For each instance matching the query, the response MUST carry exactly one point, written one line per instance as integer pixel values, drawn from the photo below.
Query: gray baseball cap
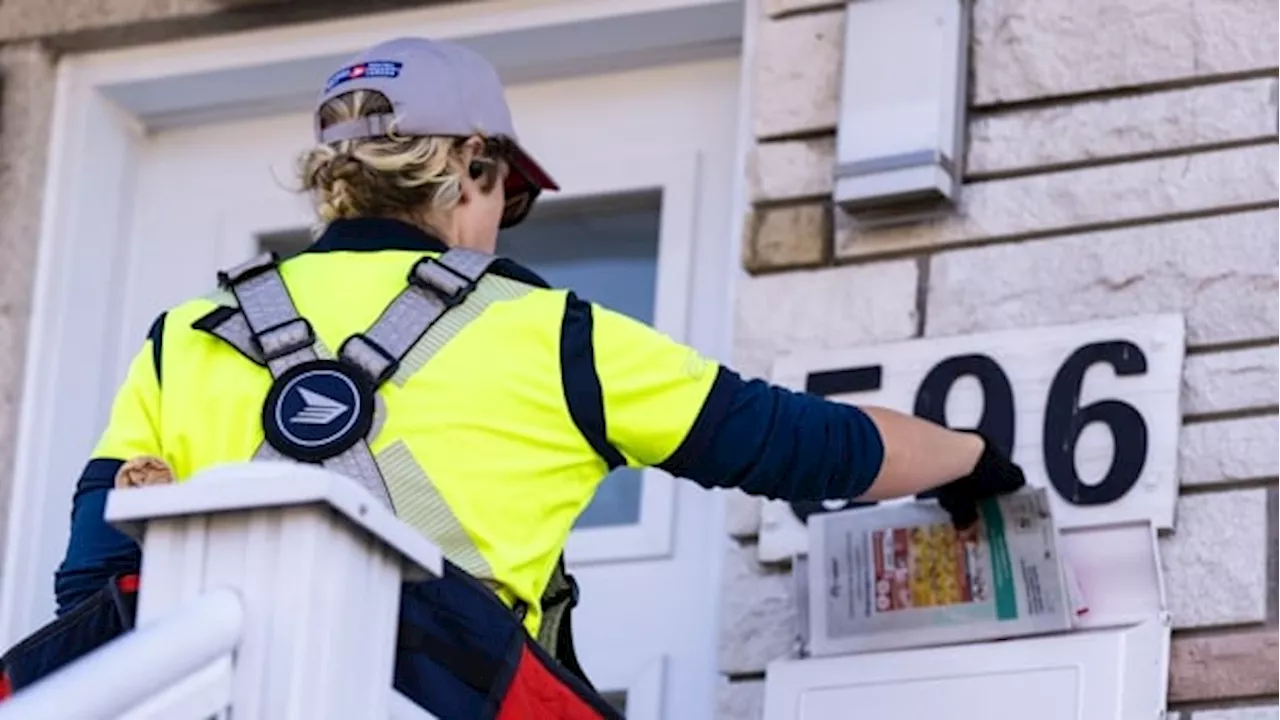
(435, 88)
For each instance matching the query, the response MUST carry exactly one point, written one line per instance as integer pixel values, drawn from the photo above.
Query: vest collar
(373, 235)
(378, 234)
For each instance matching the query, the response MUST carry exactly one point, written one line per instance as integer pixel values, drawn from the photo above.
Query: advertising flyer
(900, 575)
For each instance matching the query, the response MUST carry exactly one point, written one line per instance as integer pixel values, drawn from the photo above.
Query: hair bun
(395, 176)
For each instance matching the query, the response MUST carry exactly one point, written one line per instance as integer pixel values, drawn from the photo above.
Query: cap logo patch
(372, 69)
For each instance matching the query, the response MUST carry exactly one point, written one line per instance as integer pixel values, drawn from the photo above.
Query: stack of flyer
(900, 576)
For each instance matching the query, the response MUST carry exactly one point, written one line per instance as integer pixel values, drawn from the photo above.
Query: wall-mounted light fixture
(900, 140)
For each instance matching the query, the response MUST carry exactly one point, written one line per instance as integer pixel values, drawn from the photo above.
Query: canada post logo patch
(317, 410)
(372, 69)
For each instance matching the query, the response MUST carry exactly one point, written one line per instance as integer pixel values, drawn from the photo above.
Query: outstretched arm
(787, 445)
(666, 406)
(919, 455)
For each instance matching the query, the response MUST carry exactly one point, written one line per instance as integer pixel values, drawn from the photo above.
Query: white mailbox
(899, 146)
(1112, 666)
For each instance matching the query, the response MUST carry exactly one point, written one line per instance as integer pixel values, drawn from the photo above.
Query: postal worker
(479, 404)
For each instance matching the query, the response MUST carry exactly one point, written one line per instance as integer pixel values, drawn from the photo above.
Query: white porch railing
(269, 591)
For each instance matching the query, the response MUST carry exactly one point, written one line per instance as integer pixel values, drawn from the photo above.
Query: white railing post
(184, 659)
(317, 563)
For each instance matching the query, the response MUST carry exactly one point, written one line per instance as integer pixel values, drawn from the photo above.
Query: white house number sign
(1090, 411)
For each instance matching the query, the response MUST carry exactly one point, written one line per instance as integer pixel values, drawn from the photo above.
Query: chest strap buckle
(288, 337)
(432, 276)
(360, 350)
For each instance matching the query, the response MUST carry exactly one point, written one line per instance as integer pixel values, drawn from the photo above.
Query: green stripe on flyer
(1001, 566)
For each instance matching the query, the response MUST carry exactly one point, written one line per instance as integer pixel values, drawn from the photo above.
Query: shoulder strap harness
(321, 409)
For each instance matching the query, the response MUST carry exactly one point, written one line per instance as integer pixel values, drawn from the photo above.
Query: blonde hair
(398, 176)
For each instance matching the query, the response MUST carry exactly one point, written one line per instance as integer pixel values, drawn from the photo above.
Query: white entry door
(645, 158)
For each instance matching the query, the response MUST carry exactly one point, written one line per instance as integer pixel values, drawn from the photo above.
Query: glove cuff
(993, 470)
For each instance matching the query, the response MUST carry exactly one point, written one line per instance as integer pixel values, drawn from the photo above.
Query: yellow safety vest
(491, 443)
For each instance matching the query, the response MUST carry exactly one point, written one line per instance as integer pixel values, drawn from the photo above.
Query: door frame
(106, 103)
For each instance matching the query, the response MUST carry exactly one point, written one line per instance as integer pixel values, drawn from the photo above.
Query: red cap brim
(527, 171)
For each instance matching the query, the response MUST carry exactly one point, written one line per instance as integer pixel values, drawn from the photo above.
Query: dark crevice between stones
(1057, 101)
(1237, 414)
(1273, 560)
(922, 294)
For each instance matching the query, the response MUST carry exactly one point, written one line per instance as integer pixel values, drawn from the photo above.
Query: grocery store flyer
(902, 576)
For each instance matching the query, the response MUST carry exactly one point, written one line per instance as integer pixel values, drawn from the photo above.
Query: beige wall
(1121, 153)
(26, 91)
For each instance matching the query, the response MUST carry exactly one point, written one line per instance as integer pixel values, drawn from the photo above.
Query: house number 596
(1064, 417)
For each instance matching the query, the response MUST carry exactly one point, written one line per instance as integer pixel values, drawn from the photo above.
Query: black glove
(994, 475)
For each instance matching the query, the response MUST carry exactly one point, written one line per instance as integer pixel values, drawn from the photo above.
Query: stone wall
(1121, 153)
(26, 105)
(84, 25)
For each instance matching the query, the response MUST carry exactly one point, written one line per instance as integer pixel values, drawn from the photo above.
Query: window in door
(606, 251)
(284, 244)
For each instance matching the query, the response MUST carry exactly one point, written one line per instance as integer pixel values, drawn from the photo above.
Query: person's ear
(472, 149)
(473, 164)
(475, 170)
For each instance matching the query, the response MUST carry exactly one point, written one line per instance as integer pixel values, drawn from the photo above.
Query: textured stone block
(797, 74)
(1215, 561)
(1061, 202)
(1229, 381)
(26, 109)
(1219, 271)
(742, 514)
(814, 309)
(1223, 666)
(1124, 126)
(87, 25)
(1252, 712)
(790, 169)
(33, 18)
(741, 701)
(758, 615)
(1228, 451)
(1058, 47)
(787, 237)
